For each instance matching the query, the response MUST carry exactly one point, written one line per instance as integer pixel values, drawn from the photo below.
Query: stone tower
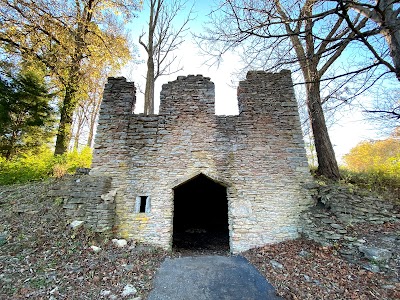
(187, 170)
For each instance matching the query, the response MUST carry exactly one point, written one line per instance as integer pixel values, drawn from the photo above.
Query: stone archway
(200, 215)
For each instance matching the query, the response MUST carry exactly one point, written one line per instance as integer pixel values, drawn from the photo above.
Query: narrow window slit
(143, 202)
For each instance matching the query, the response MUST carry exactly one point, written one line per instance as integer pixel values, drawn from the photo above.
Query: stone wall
(258, 155)
(87, 198)
(363, 228)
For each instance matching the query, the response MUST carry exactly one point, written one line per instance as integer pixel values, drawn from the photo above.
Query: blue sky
(192, 61)
(350, 129)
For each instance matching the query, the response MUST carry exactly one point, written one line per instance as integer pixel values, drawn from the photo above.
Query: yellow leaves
(383, 155)
(63, 39)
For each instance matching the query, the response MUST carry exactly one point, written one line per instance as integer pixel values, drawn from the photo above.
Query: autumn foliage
(375, 166)
(377, 156)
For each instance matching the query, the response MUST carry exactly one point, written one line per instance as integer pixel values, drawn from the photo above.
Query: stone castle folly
(188, 172)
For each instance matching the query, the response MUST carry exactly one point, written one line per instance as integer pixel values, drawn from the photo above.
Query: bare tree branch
(387, 20)
(309, 34)
(163, 40)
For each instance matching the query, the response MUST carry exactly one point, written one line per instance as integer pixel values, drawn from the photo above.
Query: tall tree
(162, 41)
(305, 35)
(66, 37)
(93, 111)
(385, 15)
(26, 116)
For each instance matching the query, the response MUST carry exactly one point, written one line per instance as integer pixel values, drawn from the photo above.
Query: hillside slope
(42, 257)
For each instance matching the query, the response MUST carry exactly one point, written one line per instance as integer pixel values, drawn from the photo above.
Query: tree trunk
(64, 128)
(327, 164)
(93, 117)
(393, 40)
(385, 15)
(149, 91)
(389, 23)
(11, 145)
(91, 134)
(67, 111)
(79, 124)
(309, 60)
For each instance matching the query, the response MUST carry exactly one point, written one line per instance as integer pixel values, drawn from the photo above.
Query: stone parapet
(188, 95)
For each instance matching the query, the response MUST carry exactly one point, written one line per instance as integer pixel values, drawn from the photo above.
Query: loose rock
(95, 249)
(375, 254)
(129, 290)
(372, 268)
(275, 264)
(119, 243)
(3, 238)
(105, 293)
(76, 224)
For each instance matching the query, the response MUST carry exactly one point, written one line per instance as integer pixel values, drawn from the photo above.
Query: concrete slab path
(210, 278)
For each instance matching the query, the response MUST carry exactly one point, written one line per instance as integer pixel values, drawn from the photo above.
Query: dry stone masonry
(352, 222)
(87, 198)
(258, 156)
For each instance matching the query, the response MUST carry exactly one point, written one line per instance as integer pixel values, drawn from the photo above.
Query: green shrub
(384, 183)
(27, 167)
(82, 159)
(69, 162)
(32, 166)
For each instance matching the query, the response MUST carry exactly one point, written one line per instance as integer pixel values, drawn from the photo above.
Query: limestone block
(110, 196)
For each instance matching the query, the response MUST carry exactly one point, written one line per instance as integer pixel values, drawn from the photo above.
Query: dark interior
(200, 215)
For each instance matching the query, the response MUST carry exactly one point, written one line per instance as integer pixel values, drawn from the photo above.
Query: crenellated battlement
(119, 97)
(188, 95)
(265, 93)
(260, 93)
(259, 155)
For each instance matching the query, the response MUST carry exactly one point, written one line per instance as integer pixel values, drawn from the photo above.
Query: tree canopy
(309, 36)
(70, 39)
(384, 17)
(26, 116)
(304, 35)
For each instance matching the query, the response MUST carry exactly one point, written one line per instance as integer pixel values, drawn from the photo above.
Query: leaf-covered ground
(41, 257)
(302, 269)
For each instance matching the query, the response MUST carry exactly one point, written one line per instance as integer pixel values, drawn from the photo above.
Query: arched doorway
(200, 215)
